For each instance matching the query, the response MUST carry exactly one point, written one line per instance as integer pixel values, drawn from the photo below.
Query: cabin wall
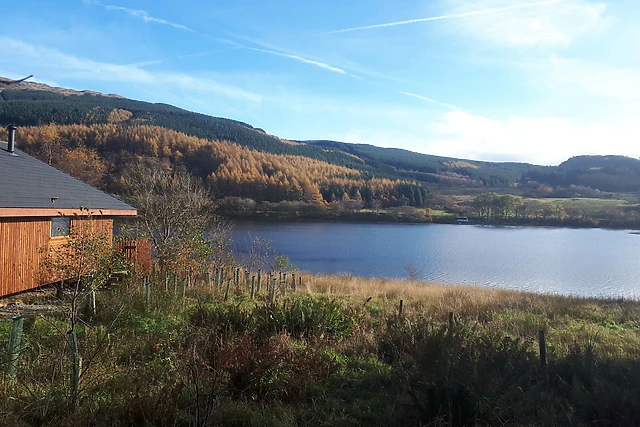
(24, 243)
(21, 243)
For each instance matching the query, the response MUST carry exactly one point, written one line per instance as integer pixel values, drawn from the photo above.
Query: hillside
(447, 171)
(605, 173)
(35, 104)
(101, 154)
(32, 106)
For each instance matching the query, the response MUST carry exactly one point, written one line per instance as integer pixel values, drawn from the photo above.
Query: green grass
(592, 206)
(335, 352)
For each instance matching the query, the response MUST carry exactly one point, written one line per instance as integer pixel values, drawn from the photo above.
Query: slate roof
(26, 182)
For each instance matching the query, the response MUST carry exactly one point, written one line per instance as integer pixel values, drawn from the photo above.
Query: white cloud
(596, 79)
(549, 23)
(538, 140)
(63, 65)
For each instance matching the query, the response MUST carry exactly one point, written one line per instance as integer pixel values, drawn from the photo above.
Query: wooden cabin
(39, 205)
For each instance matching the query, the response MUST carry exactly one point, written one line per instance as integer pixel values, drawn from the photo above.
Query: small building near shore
(39, 205)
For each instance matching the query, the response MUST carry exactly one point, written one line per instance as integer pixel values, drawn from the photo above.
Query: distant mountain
(32, 104)
(446, 171)
(605, 173)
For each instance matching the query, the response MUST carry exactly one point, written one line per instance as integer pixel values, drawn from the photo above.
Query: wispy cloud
(449, 16)
(431, 100)
(140, 14)
(149, 63)
(64, 65)
(299, 59)
(549, 24)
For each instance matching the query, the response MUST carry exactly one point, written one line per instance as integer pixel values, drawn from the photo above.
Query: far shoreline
(435, 220)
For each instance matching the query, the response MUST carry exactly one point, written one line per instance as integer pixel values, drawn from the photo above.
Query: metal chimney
(11, 139)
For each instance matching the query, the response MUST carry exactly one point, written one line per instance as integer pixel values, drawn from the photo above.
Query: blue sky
(502, 80)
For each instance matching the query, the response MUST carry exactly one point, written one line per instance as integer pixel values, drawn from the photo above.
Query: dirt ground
(31, 303)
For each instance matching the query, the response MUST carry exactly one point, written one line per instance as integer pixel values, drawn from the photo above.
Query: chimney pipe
(11, 139)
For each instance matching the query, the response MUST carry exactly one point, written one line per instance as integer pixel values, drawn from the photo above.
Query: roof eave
(51, 212)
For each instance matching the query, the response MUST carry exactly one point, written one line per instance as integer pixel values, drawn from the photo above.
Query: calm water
(590, 262)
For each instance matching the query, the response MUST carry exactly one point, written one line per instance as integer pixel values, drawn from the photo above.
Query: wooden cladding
(24, 242)
(21, 250)
(139, 253)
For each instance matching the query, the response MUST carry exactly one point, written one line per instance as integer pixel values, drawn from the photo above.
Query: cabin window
(60, 226)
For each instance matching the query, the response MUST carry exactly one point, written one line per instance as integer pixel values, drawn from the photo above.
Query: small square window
(60, 226)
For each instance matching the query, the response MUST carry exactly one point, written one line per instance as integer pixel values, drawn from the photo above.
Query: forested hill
(34, 104)
(434, 169)
(605, 173)
(37, 107)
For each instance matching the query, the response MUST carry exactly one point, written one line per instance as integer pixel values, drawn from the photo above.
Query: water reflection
(590, 262)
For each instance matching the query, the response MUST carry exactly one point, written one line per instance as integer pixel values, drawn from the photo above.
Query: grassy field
(335, 351)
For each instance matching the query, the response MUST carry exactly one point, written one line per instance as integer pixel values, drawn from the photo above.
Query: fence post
(273, 290)
(400, 308)
(72, 342)
(450, 330)
(147, 294)
(259, 281)
(543, 348)
(253, 287)
(226, 292)
(166, 281)
(293, 281)
(15, 341)
(175, 284)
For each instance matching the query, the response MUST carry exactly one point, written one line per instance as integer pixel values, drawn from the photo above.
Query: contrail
(136, 13)
(438, 18)
(297, 58)
(431, 100)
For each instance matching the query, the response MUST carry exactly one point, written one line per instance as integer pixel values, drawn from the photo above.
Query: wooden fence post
(15, 341)
(259, 281)
(253, 287)
(543, 348)
(400, 308)
(226, 293)
(273, 290)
